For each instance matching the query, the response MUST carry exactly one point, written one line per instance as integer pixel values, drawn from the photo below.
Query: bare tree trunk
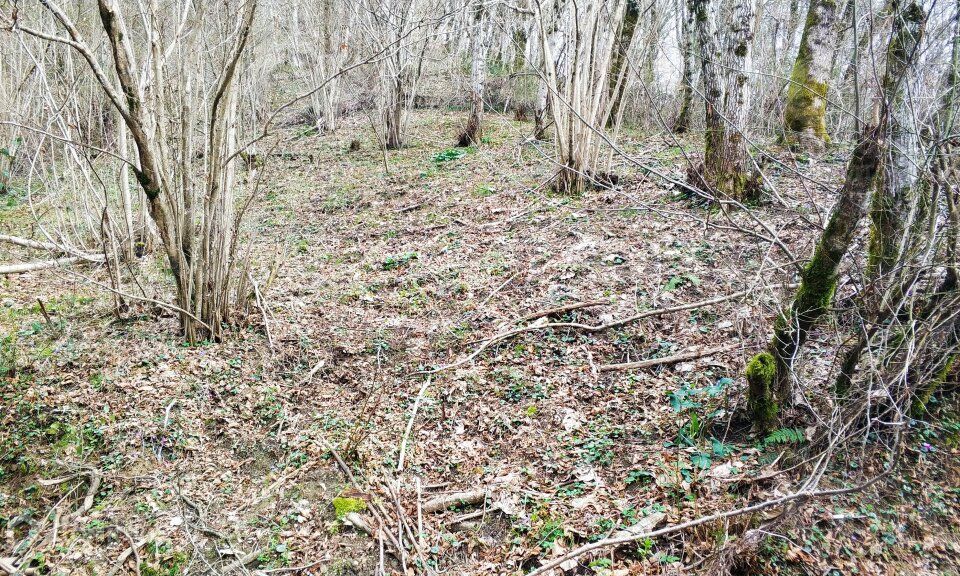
(552, 52)
(126, 203)
(727, 169)
(805, 113)
(479, 46)
(682, 123)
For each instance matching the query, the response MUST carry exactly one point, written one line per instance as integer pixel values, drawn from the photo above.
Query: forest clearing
(261, 315)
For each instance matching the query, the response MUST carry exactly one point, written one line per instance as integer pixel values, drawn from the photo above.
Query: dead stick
(561, 310)
(585, 327)
(240, 562)
(46, 316)
(43, 264)
(667, 359)
(122, 559)
(456, 499)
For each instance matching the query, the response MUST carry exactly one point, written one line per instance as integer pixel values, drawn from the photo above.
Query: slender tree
(682, 122)
(480, 33)
(196, 219)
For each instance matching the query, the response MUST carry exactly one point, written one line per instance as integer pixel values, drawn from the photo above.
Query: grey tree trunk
(727, 170)
(682, 123)
(479, 46)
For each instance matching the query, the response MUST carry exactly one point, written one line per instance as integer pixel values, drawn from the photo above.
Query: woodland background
(479, 287)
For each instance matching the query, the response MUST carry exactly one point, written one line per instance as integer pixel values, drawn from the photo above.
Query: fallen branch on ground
(467, 498)
(561, 310)
(803, 494)
(668, 359)
(44, 264)
(39, 245)
(586, 327)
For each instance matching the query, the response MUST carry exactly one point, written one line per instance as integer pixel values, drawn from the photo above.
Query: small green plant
(639, 477)
(448, 155)
(162, 560)
(597, 447)
(681, 280)
(785, 436)
(550, 532)
(8, 356)
(600, 564)
(398, 261)
(482, 191)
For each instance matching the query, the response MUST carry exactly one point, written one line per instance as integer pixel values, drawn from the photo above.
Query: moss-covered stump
(343, 506)
(763, 408)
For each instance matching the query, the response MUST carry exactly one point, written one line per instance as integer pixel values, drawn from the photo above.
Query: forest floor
(208, 455)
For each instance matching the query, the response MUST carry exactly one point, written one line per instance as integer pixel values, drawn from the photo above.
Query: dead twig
(413, 416)
(802, 494)
(240, 562)
(130, 551)
(591, 328)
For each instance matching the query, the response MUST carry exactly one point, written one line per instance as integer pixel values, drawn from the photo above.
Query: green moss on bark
(761, 372)
(919, 407)
(805, 113)
(812, 300)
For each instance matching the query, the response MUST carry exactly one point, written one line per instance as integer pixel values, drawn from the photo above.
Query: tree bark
(890, 211)
(682, 123)
(479, 46)
(620, 67)
(805, 113)
(726, 169)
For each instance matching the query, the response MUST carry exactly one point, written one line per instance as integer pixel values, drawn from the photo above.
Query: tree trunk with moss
(930, 373)
(620, 67)
(682, 123)
(893, 203)
(805, 113)
(727, 168)
(819, 276)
